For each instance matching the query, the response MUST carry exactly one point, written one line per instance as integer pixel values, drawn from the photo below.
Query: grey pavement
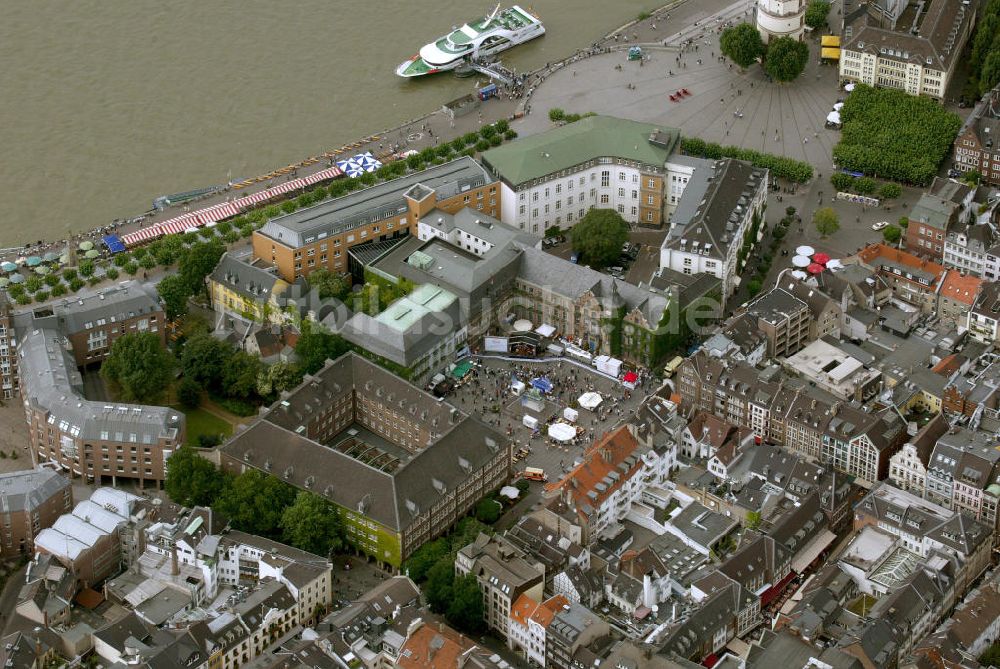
(784, 119)
(479, 396)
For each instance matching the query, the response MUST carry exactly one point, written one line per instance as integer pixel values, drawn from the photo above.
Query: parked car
(880, 225)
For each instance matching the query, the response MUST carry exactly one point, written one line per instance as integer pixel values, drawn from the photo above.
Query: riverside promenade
(678, 17)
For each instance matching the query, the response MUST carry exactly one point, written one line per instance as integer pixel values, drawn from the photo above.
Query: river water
(105, 105)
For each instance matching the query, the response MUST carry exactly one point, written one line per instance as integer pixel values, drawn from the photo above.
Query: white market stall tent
(590, 400)
(562, 432)
(608, 365)
(545, 330)
(571, 414)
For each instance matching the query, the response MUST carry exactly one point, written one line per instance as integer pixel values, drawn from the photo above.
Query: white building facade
(781, 18)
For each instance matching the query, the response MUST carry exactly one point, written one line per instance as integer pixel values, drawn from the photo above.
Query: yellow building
(246, 290)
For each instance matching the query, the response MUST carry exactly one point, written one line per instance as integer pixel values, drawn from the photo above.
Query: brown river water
(106, 105)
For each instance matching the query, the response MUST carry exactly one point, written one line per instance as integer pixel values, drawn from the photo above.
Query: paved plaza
(784, 119)
(489, 391)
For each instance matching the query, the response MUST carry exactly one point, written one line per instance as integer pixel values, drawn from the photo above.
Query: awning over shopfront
(812, 550)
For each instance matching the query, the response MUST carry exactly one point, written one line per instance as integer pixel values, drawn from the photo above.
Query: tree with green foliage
(984, 56)
(892, 234)
(742, 44)
(192, 480)
(842, 182)
(786, 58)
(204, 360)
(826, 221)
(991, 657)
(420, 562)
(138, 367)
(864, 186)
(439, 585)
(315, 347)
(189, 394)
(890, 134)
(488, 511)
(599, 237)
(753, 520)
(904, 221)
(239, 378)
(890, 191)
(465, 610)
(971, 177)
(313, 524)
(816, 13)
(754, 286)
(556, 114)
(198, 262)
(255, 502)
(278, 377)
(174, 292)
(330, 284)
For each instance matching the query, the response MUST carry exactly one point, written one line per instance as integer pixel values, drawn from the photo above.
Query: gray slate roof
(27, 490)
(368, 205)
(392, 499)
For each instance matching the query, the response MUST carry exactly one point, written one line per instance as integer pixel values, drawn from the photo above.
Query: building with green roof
(554, 178)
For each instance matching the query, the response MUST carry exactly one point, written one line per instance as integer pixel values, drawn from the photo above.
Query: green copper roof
(575, 143)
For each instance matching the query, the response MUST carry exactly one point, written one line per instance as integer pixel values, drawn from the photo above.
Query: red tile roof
(522, 609)
(526, 608)
(419, 653)
(600, 459)
(961, 288)
(876, 251)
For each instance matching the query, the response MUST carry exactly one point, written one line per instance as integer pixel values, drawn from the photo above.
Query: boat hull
(431, 56)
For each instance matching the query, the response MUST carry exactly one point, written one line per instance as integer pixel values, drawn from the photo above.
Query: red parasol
(815, 268)
(821, 258)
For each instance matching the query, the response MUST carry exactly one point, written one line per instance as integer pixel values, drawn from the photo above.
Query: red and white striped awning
(219, 212)
(322, 175)
(180, 224)
(256, 198)
(286, 187)
(140, 236)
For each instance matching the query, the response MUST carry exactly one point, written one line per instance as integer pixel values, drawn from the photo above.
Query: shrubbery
(785, 168)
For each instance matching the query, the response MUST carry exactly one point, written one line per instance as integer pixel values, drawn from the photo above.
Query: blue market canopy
(367, 161)
(542, 384)
(357, 165)
(351, 168)
(114, 243)
(50, 257)
(8, 266)
(17, 278)
(33, 261)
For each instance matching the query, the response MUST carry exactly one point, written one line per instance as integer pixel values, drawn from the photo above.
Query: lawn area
(201, 422)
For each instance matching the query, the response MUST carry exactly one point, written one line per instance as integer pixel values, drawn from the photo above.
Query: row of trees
(785, 168)
(984, 59)
(557, 115)
(846, 183)
(889, 134)
(784, 58)
(257, 503)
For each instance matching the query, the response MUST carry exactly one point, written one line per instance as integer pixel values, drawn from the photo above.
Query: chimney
(174, 569)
